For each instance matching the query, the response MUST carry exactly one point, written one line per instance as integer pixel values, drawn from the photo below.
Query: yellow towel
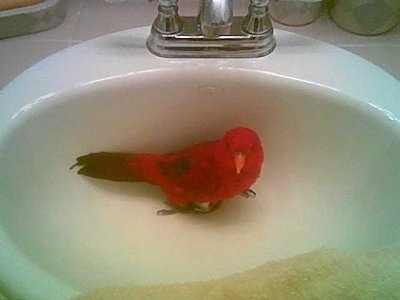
(324, 274)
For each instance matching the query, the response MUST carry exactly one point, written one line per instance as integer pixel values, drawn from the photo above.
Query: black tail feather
(108, 165)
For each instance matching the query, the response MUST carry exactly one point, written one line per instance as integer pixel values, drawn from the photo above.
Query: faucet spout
(215, 17)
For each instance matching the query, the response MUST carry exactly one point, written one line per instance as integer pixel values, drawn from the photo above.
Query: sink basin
(328, 121)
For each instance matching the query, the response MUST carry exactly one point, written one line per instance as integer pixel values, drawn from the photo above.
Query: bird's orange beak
(240, 159)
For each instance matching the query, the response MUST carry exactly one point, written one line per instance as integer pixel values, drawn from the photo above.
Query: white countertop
(92, 18)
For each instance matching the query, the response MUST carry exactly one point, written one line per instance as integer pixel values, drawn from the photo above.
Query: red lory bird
(195, 179)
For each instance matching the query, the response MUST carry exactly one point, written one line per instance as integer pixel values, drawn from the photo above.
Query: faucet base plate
(191, 43)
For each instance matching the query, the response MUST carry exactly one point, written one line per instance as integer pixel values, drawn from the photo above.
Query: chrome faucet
(214, 32)
(215, 17)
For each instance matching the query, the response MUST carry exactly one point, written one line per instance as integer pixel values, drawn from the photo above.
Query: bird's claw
(167, 212)
(248, 194)
(191, 208)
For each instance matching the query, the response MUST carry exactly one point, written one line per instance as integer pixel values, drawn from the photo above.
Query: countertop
(87, 19)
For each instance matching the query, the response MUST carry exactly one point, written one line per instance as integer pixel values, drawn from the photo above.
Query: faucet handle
(168, 20)
(257, 20)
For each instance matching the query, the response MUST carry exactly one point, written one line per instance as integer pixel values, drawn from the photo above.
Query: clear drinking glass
(365, 17)
(295, 12)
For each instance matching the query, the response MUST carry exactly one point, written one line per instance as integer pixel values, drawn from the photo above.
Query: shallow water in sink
(330, 178)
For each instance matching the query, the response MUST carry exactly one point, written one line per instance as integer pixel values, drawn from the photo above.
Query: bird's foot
(191, 208)
(167, 212)
(248, 193)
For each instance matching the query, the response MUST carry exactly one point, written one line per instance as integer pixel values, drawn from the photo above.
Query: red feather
(210, 172)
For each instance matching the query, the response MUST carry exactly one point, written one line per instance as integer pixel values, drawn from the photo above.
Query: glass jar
(365, 17)
(295, 12)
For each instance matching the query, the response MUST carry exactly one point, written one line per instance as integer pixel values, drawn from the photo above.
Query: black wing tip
(86, 162)
(112, 166)
(82, 161)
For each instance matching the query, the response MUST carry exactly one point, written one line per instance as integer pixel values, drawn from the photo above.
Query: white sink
(329, 122)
